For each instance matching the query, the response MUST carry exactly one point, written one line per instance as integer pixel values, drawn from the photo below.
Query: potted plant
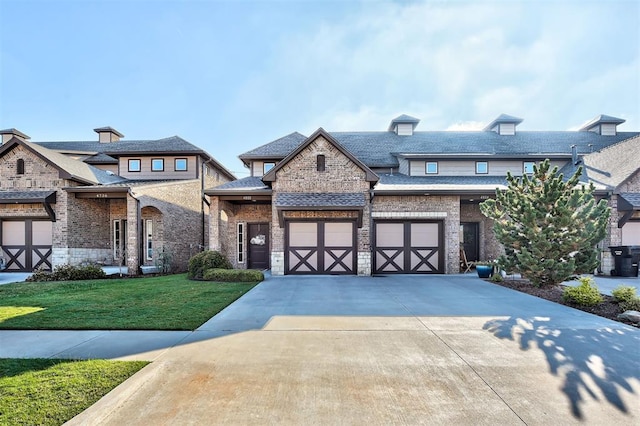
(484, 269)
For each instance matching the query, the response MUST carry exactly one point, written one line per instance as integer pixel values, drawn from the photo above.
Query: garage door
(408, 247)
(320, 247)
(26, 244)
(631, 234)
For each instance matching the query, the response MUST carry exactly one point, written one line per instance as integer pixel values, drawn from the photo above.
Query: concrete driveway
(388, 350)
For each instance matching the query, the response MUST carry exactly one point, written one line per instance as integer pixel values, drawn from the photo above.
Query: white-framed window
(157, 164)
(119, 238)
(240, 242)
(482, 167)
(148, 239)
(180, 165)
(431, 167)
(267, 166)
(134, 164)
(527, 167)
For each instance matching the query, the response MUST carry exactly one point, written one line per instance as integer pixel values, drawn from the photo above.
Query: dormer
(604, 125)
(8, 134)
(403, 125)
(504, 125)
(108, 134)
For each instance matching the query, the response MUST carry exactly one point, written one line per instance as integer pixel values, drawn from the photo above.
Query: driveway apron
(387, 350)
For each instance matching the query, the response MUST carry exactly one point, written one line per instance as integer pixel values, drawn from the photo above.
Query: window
(119, 239)
(148, 239)
(431, 168)
(157, 164)
(240, 245)
(482, 167)
(134, 165)
(320, 163)
(180, 165)
(267, 166)
(20, 166)
(527, 167)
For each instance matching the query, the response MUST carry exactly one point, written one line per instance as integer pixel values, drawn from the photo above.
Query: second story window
(134, 165)
(267, 166)
(431, 168)
(527, 167)
(157, 165)
(482, 167)
(20, 166)
(320, 163)
(180, 165)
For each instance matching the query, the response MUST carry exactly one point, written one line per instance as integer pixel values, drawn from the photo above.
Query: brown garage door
(320, 247)
(26, 244)
(408, 247)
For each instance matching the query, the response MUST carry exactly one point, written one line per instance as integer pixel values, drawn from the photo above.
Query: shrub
(630, 305)
(496, 277)
(624, 293)
(233, 275)
(199, 263)
(586, 294)
(68, 273)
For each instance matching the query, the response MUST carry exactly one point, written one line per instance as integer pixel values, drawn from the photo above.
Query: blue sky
(232, 75)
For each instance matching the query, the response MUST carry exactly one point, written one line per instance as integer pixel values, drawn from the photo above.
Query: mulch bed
(607, 309)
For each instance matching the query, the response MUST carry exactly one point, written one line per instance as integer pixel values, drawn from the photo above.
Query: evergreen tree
(549, 227)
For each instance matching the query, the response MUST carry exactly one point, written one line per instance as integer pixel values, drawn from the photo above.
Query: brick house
(401, 200)
(112, 201)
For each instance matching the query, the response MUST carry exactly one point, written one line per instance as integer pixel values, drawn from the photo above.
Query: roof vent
(108, 134)
(604, 125)
(8, 134)
(403, 125)
(504, 125)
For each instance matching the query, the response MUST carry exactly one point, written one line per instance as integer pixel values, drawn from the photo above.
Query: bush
(199, 263)
(586, 294)
(627, 298)
(233, 275)
(68, 273)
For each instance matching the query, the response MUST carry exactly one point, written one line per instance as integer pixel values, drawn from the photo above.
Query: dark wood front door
(258, 246)
(469, 240)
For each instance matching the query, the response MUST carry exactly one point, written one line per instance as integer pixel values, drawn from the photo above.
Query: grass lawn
(52, 391)
(169, 302)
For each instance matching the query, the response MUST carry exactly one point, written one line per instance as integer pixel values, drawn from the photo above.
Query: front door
(26, 244)
(258, 246)
(469, 240)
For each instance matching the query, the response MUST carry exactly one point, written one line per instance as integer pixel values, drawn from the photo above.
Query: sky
(229, 76)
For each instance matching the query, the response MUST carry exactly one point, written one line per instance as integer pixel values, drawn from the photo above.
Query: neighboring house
(110, 201)
(396, 201)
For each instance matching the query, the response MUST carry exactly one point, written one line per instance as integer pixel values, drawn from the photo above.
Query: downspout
(371, 228)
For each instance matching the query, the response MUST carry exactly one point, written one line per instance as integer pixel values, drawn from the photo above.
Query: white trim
(240, 241)
(148, 239)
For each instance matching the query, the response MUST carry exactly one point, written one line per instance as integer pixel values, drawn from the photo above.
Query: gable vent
(403, 125)
(504, 125)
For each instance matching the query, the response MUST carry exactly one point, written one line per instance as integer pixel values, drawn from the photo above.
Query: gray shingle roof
(303, 199)
(503, 118)
(173, 144)
(632, 198)
(249, 183)
(601, 119)
(377, 149)
(400, 182)
(24, 195)
(101, 158)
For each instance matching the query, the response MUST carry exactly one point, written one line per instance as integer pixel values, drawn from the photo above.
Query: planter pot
(484, 271)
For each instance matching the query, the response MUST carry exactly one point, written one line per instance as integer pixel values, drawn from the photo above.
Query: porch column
(214, 224)
(133, 235)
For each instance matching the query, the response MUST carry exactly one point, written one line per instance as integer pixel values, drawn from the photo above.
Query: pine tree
(549, 227)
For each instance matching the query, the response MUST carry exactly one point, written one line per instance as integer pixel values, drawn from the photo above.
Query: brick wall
(490, 248)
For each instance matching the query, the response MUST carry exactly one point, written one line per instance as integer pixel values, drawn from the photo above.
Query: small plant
(163, 260)
(585, 294)
(496, 277)
(199, 263)
(627, 298)
(233, 275)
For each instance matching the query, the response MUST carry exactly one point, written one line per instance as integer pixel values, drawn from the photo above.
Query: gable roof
(271, 175)
(276, 149)
(68, 167)
(612, 165)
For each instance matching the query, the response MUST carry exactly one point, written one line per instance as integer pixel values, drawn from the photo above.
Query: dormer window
(20, 166)
(504, 125)
(482, 167)
(320, 160)
(604, 125)
(403, 125)
(266, 167)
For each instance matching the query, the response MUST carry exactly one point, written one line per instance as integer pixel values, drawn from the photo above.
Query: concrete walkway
(369, 350)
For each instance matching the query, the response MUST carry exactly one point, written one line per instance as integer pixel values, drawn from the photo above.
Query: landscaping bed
(609, 308)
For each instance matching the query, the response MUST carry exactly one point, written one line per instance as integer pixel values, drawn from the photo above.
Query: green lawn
(52, 391)
(169, 302)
